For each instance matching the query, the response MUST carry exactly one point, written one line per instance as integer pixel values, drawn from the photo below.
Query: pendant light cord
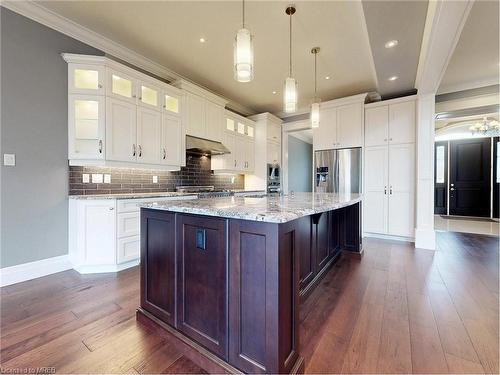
(243, 11)
(315, 76)
(290, 68)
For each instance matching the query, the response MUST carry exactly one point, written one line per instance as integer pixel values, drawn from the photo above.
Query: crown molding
(392, 101)
(38, 13)
(267, 117)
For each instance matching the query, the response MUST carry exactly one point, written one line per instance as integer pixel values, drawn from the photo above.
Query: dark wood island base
(230, 289)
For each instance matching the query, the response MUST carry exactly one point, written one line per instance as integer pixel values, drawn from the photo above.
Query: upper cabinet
(238, 135)
(390, 123)
(341, 124)
(118, 116)
(204, 112)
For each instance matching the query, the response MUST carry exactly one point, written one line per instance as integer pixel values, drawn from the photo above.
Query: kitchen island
(226, 275)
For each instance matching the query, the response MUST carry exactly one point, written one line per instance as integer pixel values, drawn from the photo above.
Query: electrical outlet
(107, 178)
(97, 178)
(85, 178)
(9, 160)
(155, 179)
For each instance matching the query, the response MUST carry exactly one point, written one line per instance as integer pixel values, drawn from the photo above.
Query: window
(440, 163)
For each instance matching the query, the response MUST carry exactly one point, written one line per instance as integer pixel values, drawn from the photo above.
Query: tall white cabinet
(389, 168)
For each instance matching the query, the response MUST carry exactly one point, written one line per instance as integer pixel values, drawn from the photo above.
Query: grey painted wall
(34, 193)
(299, 165)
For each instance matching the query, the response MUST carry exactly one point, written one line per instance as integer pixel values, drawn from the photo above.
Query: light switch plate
(107, 178)
(9, 160)
(155, 179)
(96, 178)
(85, 178)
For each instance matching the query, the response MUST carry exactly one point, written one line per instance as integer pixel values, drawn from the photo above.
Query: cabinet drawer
(129, 248)
(128, 224)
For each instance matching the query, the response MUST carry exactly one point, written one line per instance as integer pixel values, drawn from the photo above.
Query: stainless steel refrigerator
(338, 171)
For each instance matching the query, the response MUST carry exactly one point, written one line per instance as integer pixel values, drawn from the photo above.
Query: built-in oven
(273, 179)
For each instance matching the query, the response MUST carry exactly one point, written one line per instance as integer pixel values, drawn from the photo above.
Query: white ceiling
(475, 61)
(169, 32)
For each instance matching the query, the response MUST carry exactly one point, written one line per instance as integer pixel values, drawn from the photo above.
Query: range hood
(205, 146)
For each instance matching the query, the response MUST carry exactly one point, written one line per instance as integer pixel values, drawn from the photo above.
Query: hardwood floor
(397, 310)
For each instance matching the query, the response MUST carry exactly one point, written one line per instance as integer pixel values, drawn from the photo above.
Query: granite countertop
(270, 209)
(167, 194)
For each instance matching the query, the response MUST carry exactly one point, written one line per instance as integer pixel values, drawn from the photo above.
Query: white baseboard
(106, 268)
(388, 237)
(32, 270)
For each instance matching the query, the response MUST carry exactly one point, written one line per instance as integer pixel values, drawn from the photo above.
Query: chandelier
(487, 127)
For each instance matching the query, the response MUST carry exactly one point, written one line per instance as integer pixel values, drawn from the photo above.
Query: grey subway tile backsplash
(124, 180)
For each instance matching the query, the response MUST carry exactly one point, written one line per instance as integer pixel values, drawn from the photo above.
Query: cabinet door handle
(164, 154)
(134, 96)
(111, 208)
(133, 149)
(100, 146)
(140, 151)
(390, 139)
(235, 163)
(390, 190)
(385, 190)
(385, 139)
(99, 86)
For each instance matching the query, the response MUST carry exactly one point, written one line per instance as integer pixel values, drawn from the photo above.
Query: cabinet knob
(111, 208)
(99, 86)
(385, 139)
(390, 139)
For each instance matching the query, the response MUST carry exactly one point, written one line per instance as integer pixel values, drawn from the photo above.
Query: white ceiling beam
(444, 23)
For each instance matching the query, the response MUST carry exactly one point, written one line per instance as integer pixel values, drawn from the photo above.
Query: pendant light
(243, 53)
(290, 91)
(316, 100)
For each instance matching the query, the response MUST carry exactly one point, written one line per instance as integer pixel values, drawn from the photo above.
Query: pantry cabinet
(341, 124)
(118, 116)
(389, 168)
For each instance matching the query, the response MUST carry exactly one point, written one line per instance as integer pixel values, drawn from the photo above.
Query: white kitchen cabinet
(273, 153)
(389, 168)
(121, 85)
(195, 116)
(214, 117)
(171, 137)
(392, 122)
(121, 130)
(86, 127)
(376, 126)
(249, 162)
(148, 135)
(325, 136)
(86, 79)
(375, 196)
(350, 125)
(402, 122)
(104, 234)
(401, 190)
(273, 132)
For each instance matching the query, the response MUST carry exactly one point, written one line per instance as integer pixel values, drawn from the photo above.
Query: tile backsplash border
(124, 180)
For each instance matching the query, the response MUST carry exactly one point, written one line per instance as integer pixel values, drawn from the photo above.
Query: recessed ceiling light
(274, 92)
(202, 40)
(393, 78)
(391, 43)
(327, 77)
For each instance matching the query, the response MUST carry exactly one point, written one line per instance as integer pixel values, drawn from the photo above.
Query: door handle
(133, 149)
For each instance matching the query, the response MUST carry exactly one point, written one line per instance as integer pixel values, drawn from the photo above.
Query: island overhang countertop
(270, 209)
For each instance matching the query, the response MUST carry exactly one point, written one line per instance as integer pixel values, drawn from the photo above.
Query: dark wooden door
(470, 177)
(496, 176)
(202, 281)
(158, 263)
(441, 178)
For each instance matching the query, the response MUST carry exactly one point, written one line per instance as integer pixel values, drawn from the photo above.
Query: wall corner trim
(32, 270)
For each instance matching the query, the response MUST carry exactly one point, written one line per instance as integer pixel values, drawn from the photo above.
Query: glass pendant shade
(290, 98)
(315, 115)
(243, 56)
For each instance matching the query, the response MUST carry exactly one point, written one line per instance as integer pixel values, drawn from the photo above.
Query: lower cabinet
(202, 281)
(158, 263)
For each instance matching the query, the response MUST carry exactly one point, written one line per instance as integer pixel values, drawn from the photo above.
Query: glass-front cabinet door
(86, 79)
(149, 95)
(86, 132)
(171, 103)
(121, 86)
